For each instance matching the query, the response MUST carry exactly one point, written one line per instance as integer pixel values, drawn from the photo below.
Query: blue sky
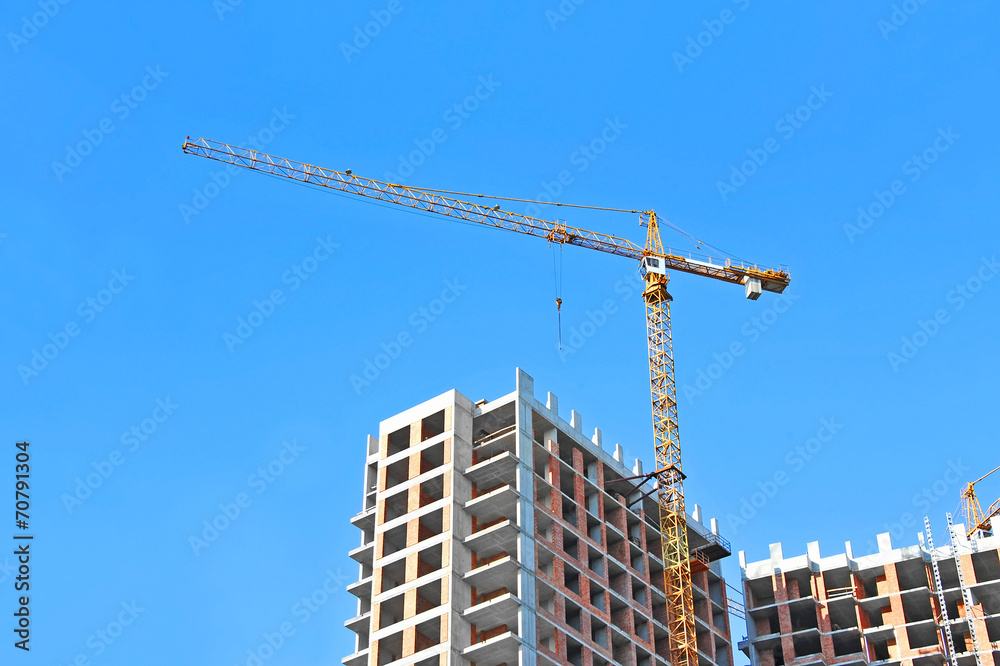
(854, 143)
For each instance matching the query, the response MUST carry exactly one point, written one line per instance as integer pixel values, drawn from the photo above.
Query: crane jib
(726, 270)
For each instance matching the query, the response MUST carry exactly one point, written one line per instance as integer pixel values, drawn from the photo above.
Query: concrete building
(498, 533)
(879, 609)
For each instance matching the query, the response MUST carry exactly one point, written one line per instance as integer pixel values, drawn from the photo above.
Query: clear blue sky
(899, 126)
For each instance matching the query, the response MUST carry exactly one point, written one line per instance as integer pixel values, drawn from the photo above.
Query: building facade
(498, 533)
(881, 609)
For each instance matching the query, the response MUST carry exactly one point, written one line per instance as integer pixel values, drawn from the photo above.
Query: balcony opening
(594, 529)
(567, 475)
(390, 648)
(546, 637)
(912, 574)
(622, 650)
(806, 645)
(597, 595)
(546, 598)
(599, 632)
(393, 540)
(638, 592)
(432, 457)
(543, 494)
(573, 616)
(544, 560)
(879, 649)
(569, 512)
(398, 441)
(396, 505)
(393, 575)
(390, 611)
(639, 561)
(397, 473)
(429, 560)
(842, 615)
(543, 526)
(917, 608)
(431, 525)
(761, 592)
(595, 562)
(571, 546)
(574, 652)
(571, 579)
(428, 634)
(804, 617)
(431, 490)
(432, 426)
(843, 646)
(429, 596)
(641, 626)
(541, 462)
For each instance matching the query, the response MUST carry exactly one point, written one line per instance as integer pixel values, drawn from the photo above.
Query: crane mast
(654, 260)
(977, 520)
(669, 477)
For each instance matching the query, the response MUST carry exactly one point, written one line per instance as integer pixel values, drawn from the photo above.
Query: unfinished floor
(879, 609)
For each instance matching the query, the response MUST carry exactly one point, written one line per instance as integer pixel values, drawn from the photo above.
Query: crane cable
(557, 278)
(697, 242)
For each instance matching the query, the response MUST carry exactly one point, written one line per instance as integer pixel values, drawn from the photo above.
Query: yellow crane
(654, 262)
(977, 520)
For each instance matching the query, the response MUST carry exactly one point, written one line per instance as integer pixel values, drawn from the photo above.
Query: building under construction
(911, 606)
(498, 533)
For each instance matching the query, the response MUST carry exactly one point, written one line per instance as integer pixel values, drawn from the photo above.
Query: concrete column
(526, 556)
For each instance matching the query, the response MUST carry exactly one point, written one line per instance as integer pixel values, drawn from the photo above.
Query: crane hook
(559, 317)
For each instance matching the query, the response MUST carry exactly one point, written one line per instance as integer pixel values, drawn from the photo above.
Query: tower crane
(654, 263)
(977, 520)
